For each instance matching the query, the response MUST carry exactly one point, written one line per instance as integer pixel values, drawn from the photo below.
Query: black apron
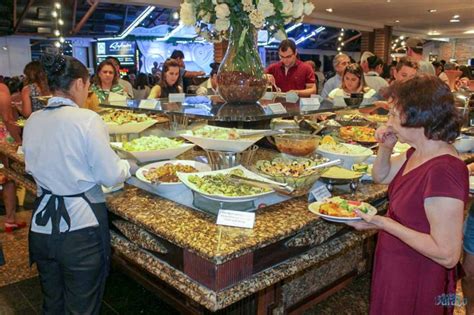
(56, 213)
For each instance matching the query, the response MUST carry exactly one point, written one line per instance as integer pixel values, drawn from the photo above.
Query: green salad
(220, 184)
(151, 143)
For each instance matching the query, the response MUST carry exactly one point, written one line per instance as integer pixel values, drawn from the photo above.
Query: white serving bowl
(464, 144)
(359, 155)
(169, 187)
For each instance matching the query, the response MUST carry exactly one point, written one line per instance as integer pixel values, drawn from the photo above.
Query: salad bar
(298, 250)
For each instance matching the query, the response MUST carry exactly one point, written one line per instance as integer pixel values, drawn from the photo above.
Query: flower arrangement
(214, 18)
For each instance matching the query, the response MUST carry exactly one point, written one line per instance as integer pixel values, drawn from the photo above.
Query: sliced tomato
(354, 202)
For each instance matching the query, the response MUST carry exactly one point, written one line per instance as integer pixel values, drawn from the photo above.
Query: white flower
(248, 5)
(287, 7)
(222, 25)
(222, 11)
(214, 2)
(256, 18)
(308, 8)
(187, 14)
(289, 20)
(266, 8)
(280, 35)
(298, 7)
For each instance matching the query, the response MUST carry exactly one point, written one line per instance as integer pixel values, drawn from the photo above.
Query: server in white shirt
(67, 152)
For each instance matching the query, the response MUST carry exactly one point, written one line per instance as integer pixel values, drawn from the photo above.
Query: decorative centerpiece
(241, 76)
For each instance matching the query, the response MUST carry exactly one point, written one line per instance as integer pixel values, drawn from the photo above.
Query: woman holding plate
(420, 238)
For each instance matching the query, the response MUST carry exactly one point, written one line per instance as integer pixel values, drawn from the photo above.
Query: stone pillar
(219, 51)
(382, 38)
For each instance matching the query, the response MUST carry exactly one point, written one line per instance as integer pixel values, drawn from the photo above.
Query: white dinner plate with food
(214, 185)
(143, 156)
(340, 210)
(225, 139)
(162, 175)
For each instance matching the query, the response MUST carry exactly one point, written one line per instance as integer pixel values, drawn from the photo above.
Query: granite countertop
(198, 232)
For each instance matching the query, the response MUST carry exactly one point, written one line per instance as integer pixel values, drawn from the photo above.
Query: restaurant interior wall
(15, 53)
(197, 56)
(461, 49)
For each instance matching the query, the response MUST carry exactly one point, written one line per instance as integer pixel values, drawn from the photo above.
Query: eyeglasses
(286, 57)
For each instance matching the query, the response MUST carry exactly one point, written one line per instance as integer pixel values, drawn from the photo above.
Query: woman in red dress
(420, 238)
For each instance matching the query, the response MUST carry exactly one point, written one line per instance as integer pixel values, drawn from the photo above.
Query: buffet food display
(293, 171)
(125, 122)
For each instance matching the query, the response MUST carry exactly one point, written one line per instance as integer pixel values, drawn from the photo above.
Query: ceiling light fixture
(434, 33)
(454, 20)
(469, 32)
(457, 16)
(134, 24)
(432, 10)
(397, 21)
(329, 10)
(175, 15)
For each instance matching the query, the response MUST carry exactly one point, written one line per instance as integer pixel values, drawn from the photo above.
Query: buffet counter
(289, 261)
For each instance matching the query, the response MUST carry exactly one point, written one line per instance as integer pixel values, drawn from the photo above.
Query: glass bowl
(297, 144)
(292, 171)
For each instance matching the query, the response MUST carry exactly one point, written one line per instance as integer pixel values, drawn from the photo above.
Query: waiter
(291, 74)
(67, 152)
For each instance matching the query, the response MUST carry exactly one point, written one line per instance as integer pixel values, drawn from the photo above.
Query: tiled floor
(20, 291)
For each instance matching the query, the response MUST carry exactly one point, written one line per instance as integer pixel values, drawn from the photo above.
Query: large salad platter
(151, 148)
(216, 185)
(225, 139)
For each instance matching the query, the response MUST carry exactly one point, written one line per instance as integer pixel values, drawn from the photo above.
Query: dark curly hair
(62, 71)
(425, 101)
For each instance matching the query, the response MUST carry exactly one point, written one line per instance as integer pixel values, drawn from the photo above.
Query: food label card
(307, 104)
(268, 96)
(319, 193)
(236, 218)
(117, 99)
(291, 97)
(176, 97)
(148, 104)
(277, 108)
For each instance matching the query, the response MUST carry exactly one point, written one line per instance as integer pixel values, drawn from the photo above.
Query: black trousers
(73, 281)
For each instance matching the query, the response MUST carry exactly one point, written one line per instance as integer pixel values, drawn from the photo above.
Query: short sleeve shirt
(296, 78)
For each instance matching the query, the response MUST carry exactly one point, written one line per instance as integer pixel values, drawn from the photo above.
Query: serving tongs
(325, 165)
(278, 187)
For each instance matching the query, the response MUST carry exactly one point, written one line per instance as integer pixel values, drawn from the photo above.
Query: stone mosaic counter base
(305, 274)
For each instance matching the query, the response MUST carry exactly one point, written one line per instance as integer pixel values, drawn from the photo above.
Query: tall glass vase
(241, 77)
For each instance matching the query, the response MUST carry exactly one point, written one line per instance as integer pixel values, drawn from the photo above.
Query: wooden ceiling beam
(78, 27)
(14, 12)
(74, 13)
(22, 16)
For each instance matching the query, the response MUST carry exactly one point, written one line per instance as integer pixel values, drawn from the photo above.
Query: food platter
(225, 139)
(348, 153)
(154, 155)
(317, 208)
(361, 134)
(187, 179)
(167, 186)
(125, 122)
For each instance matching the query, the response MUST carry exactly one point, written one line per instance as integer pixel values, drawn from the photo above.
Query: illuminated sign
(124, 51)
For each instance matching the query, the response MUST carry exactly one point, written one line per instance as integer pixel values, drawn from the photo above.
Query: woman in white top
(353, 82)
(67, 152)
